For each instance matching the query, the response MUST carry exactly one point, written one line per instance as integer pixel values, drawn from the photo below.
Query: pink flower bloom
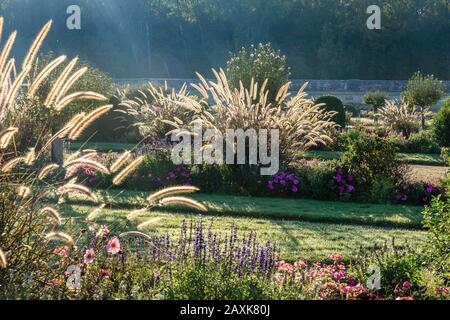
(300, 264)
(89, 256)
(338, 276)
(406, 285)
(336, 257)
(444, 291)
(113, 246)
(284, 266)
(404, 298)
(62, 252)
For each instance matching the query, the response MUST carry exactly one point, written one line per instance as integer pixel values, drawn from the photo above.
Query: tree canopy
(322, 39)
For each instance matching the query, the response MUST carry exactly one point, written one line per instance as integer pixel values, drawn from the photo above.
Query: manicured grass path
(409, 217)
(295, 239)
(411, 158)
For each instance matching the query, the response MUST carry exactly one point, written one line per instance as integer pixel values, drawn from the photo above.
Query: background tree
(375, 99)
(322, 39)
(258, 63)
(441, 124)
(423, 92)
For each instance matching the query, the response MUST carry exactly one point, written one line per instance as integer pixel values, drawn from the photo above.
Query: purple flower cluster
(344, 184)
(284, 182)
(152, 145)
(180, 174)
(228, 252)
(431, 191)
(417, 193)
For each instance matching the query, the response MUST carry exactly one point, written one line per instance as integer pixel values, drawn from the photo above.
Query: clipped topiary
(440, 126)
(334, 104)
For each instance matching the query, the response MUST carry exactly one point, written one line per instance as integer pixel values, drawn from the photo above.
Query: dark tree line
(325, 39)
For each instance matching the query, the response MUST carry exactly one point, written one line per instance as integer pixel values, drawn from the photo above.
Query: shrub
(382, 190)
(375, 99)
(423, 142)
(370, 157)
(436, 219)
(316, 180)
(333, 104)
(441, 124)
(258, 64)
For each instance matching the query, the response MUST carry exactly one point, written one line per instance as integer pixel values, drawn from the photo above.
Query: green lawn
(411, 158)
(409, 217)
(295, 239)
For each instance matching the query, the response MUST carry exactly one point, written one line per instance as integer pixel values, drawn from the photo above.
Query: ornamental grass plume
(44, 172)
(11, 164)
(53, 213)
(135, 234)
(135, 213)
(76, 188)
(120, 161)
(82, 161)
(31, 227)
(183, 201)
(127, 171)
(302, 124)
(170, 192)
(3, 261)
(84, 123)
(145, 224)
(6, 137)
(59, 236)
(93, 215)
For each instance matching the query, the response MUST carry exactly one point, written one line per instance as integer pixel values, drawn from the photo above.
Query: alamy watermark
(374, 280)
(374, 21)
(237, 147)
(73, 22)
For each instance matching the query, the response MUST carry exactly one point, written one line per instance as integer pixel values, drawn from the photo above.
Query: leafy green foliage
(437, 220)
(258, 63)
(177, 38)
(401, 269)
(441, 124)
(422, 142)
(382, 190)
(334, 104)
(375, 99)
(423, 90)
(370, 157)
